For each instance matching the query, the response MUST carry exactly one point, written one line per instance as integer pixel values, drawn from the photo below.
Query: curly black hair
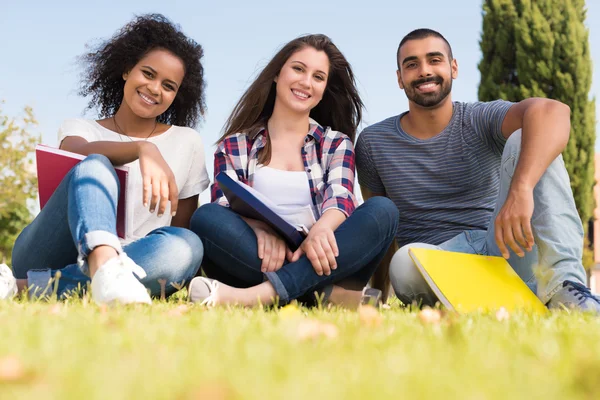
(103, 68)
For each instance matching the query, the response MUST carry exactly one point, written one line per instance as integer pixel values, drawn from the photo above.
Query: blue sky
(41, 40)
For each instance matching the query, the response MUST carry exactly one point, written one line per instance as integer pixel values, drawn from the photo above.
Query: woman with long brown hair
(284, 138)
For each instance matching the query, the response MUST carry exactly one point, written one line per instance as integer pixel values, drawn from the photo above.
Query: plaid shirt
(328, 161)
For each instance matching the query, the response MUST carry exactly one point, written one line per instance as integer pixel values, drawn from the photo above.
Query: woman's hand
(271, 248)
(320, 248)
(158, 179)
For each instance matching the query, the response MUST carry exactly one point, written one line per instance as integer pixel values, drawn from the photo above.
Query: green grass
(76, 350)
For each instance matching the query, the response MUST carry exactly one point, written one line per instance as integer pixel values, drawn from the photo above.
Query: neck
(286, 122)
(132, 125)
(425, 123)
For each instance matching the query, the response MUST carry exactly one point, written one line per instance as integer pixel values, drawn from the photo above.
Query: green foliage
(18, 182)
(540, 48)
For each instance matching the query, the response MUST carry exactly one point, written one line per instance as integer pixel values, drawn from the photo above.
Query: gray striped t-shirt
(443, 185)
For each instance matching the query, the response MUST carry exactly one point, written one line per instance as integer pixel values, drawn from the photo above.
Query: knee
(385, 212)
(185, 253)
(97, 167)
(95, 162)
(403, 272)
(204, 218)
(19, 258)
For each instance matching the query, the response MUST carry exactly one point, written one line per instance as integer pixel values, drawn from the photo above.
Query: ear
(400, 83)
(454, 66)
(125, 75)
(275, 79)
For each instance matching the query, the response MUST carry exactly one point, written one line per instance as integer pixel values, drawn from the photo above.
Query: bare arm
(118, 153)
(545, 128)
(381, 277)
(159, 184)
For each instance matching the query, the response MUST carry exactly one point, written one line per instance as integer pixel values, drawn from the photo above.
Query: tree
(540, 48)
(18, 181)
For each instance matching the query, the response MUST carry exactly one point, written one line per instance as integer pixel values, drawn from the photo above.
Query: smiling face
(426, 71)
(302, 80)
(152, 84)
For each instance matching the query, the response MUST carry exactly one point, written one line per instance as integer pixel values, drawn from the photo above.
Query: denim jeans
(557, 231)
(231, 251)
(81, 215)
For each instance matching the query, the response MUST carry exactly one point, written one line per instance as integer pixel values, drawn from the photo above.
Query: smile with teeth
(147, 99)
(302, 95)
(427, 86)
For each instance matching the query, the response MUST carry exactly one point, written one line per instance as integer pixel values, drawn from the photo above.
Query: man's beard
(431, 99)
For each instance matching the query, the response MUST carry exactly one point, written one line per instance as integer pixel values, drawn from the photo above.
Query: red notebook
(52, 166)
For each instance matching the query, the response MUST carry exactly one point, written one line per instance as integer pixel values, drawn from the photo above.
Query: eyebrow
(300, 62)
(155, 73)
(428, 55)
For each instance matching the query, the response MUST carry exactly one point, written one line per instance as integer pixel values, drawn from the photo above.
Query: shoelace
(131, 266)
(582, 292)
(209, 301)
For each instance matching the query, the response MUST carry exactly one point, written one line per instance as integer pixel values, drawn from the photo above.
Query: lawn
(77, 350)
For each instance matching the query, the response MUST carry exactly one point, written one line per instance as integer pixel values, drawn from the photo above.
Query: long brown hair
(340, 108)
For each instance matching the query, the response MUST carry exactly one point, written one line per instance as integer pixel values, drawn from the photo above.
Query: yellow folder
(469, 282)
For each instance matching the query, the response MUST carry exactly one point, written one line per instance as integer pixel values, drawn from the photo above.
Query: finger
(173, 196)
(333, 244)
(274, 254)
(517, 231)
(314, 260)
(276, 258)
(155, 194)
(289, 255)
(267, 253)
(164, 197)
(260, 242)
(281, 257)
(297, 254)
(499, 236)
(322, 258)
(518, 234)
(526, 224)
(329, 253)
(509, 239)
(147, 192)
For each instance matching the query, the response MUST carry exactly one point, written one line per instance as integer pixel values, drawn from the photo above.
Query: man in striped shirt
(483, 178)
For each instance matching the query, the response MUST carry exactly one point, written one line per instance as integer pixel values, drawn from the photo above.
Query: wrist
(142, 146)
(521, 187)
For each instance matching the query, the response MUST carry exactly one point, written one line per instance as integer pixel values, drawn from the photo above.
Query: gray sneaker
(576, 296)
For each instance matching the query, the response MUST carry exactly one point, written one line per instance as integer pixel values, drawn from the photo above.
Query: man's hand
(513, 223)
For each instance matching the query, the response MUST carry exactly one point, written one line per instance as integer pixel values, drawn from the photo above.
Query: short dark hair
(421, 33)
(104, 65)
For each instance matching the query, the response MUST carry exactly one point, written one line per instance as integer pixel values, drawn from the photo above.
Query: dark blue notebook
(246, 204)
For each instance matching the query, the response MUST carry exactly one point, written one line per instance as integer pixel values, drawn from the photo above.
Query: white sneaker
(8, 283)
(114, 282)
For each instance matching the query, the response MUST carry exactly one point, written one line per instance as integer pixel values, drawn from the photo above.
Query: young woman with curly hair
(148, 84)
(290, 138)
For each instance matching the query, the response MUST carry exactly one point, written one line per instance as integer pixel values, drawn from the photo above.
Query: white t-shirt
(182, 149)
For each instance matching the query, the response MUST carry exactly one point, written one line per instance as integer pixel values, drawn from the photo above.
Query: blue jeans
(231, 251)
(557, 231)
(81, 215)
